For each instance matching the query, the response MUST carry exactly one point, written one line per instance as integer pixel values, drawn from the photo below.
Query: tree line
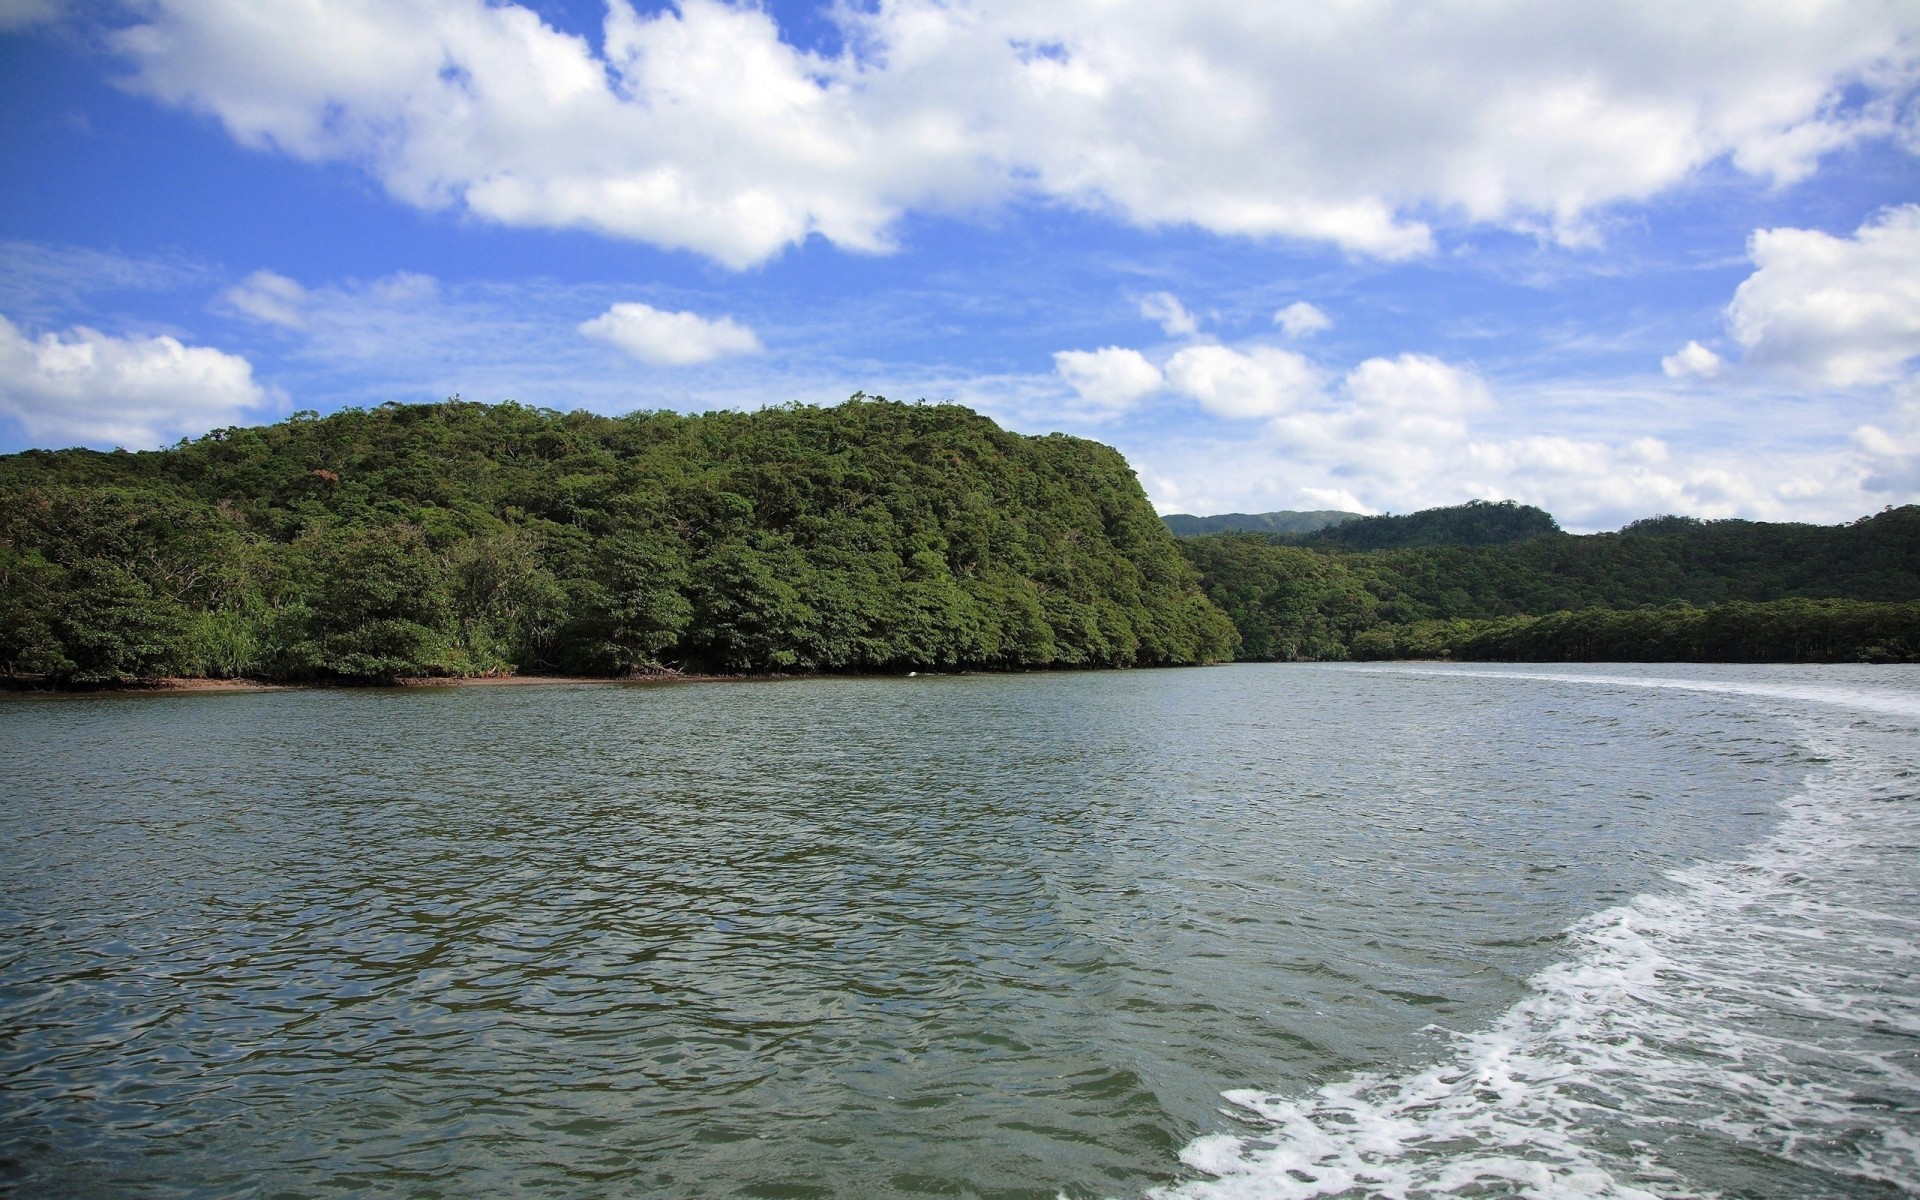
(1796, 631)
(469, 539)
(464, 539)
(1664, 589)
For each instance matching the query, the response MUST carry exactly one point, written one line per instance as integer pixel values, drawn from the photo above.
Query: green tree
(377, 609)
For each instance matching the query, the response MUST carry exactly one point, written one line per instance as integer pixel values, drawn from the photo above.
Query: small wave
(1752, 1032)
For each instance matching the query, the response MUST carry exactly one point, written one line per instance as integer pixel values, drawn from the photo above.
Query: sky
(1614, 258)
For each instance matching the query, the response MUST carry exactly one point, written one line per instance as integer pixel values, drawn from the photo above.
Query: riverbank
(175, 685)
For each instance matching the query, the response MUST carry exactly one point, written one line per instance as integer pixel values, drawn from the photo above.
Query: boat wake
(1754, 1031)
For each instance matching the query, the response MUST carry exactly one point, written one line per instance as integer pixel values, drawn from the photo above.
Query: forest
(1666, 588)
(1290, 522)
(462, 539)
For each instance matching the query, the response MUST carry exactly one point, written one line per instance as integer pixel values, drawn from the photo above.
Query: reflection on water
(939, 936)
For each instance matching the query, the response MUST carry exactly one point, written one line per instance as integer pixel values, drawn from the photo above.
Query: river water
(1248, 931)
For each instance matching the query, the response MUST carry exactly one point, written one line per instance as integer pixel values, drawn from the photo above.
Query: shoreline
(174, 685)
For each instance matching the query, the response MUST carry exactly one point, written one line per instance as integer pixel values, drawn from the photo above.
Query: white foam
(1765, 1005)
(1886, 702)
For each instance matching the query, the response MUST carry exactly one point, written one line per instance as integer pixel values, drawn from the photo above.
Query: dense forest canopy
(1738, 631)
(1475, 523)
(1284, 521)
(463, 538)
(1292, 601)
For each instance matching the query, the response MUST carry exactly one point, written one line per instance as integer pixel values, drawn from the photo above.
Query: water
(1588, 931)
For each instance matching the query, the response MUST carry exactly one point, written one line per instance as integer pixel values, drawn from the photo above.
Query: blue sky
(1613, 259)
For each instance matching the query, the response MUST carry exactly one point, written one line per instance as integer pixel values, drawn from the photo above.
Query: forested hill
(1285, 521)
(1475, 523)
(1291, 601)
(462, 538)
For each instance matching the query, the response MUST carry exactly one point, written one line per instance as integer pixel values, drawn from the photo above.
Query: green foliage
(29, 589)
(1663, 589)
(1475, 523)
(1288, 603)
(376, 609)
(112, 627)
(1699, 563)
(1285, 521)
(507, 605)
(463, 538)
(1740, 631)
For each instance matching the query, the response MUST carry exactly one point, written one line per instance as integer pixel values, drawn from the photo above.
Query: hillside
(1475, 523)
(463, 538)
(1284, 521)
(1292, 601)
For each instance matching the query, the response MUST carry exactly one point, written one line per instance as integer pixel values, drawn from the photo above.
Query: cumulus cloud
(1417, 383)
(1410, 432)
(670, 339)
(696, 127)
(1301, 319)
(1392, 415)
(1692, 361)
(1109, 378)
(86, 387)
(1261, 382)
(1173, 318)
(1843, 311)
(1891, 450)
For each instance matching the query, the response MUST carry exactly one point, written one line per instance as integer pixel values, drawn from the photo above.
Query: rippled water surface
(1588, 931)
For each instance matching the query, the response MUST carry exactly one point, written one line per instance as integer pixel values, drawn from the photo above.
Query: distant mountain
(1664, 589)
(1285, 521)
(1475, 523)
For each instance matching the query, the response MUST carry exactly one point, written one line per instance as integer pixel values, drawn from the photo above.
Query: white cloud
(670, 339)
(1692, 361)
(1411, 432)
(1173, 318)
(1842, 311)
(1331, 498)
(699, 128)
(1396, 416)
(405, 287)
(1891, 450)
(412, 337)
(1109, 378)
(1261, 382)
(1416, 383)
(90, 388)
(270, 297)
(1301, 319)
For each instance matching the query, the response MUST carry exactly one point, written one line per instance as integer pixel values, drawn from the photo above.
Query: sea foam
(1755, 1030)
